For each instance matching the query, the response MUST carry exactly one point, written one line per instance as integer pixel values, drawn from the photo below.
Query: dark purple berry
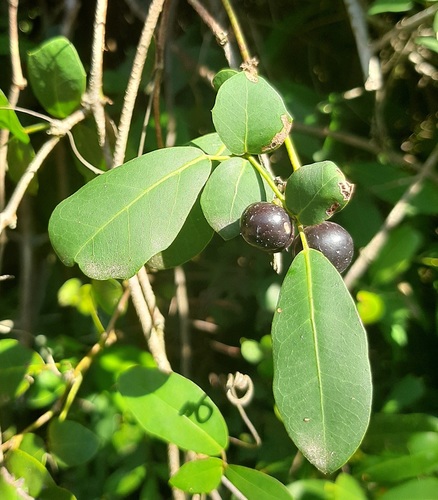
(267, 227)
(332, 240)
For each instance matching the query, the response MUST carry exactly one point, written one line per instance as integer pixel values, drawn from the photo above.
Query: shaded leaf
(255, 484)
(119, 220)
(382, 6)
(20, 155)
(322, 380)
(193, 237)
(416, 489)
(173, 408)
(57, 76)
(233, 185)
(71, 443)
(198, 476)
(15, 362)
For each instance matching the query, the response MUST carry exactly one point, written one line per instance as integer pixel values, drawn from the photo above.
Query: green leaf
(391, 433)
(405, 392)
(35, 476)
(382, 6)
(422, 459)
(9, 120)
(56, 493)
(119, 220)
(322, 381)
(57, 76)
(371, 307)
(193, 237)
(430, 42)
(15, 362)
(222, 76)
(255, 484)
(309, 489)
(346, 487)
(396, 255)
(250, 116)
(173, 408)
(124, 481)
(198, 476)
(233, 185)
(71, 443)
(19, 157)
(107, 294)
(315, 192)
(416, 489)
(46, 388)
(211, 144)
(389, 184)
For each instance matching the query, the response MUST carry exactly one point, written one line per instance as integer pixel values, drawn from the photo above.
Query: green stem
(240, 39)
(292, 153)
(303, 237)
(264, 173)
(218, 157)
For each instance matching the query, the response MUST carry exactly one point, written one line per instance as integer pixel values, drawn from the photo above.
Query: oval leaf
(250, 116)
(173, 408)
(255, 484)
(198, 476)
(322, 381)
(416, 489)
(57, 76)
(194, 236)
(35, 476)
(71, 443)
(233, 185)
(119, 220)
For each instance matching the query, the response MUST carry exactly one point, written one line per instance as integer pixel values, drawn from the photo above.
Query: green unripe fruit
(315, 192)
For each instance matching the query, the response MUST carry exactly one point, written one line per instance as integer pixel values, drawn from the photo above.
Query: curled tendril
(239, 382)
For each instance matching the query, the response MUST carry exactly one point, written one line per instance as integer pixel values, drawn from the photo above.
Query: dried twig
(369, 253)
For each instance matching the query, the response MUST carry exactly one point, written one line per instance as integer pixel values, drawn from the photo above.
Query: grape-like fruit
(332, 240)
(267, 227)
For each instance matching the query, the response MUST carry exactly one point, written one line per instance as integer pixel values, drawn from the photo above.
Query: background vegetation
(378, 122)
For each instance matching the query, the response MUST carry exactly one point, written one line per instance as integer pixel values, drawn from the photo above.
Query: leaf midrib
(135, 200)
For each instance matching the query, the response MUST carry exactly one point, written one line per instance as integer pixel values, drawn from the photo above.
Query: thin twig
(238, 33)
(229, 485)
(369, 253)
(216, 28)
(9, 215)
(182, 301)
(95, 83)
(135, 79)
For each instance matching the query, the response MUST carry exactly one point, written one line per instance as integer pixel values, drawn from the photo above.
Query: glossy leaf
(255, 484)
(193, 237)
(322, 381)
(57, 76)
(416, 489)
(15, 362)
(71, 443)
(315, 192)
(34, 475)
(173, 408)
(118, 221)
(249, 115)
(233, 185)
(10, 121)
(198, 476)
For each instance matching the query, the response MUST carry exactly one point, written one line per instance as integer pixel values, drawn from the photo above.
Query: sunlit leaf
(119, 220)
(9, 120)
(198, 476)
(322, 381)
(173, 408)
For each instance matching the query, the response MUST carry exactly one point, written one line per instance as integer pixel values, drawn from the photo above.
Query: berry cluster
(313, 194)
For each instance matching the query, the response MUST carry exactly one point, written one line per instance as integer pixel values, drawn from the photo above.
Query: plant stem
(292, 153)
(263, 172)
(240, 39)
